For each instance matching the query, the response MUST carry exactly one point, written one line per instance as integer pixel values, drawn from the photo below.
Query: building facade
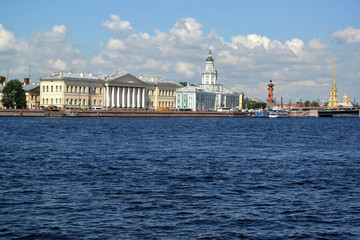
(82, 90)
(209, 95)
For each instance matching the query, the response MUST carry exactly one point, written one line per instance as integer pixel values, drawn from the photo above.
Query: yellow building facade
(83, 90)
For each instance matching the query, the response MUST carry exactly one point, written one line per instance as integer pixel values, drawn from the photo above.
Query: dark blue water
(179, 178)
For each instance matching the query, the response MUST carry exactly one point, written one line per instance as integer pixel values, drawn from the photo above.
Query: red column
(271, 93)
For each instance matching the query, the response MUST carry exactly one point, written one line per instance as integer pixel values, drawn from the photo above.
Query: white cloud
(317, 44)
(349, 35)
(58, 36)
(250, 41)
(57, 65)
(185, 69)
(9, 43)
(295, 45)
(117, 26)
(115, 44)
(187, 30)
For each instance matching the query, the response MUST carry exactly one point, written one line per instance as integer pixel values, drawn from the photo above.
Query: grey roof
(27, 88)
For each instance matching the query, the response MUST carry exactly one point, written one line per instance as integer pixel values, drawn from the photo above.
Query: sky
(293, 43)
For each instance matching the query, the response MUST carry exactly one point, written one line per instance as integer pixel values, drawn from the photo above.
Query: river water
(180, 178)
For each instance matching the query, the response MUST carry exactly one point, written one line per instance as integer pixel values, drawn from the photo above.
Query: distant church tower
(209, 75)
(333, 101)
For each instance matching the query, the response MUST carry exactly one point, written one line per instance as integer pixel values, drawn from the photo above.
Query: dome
(209, 58)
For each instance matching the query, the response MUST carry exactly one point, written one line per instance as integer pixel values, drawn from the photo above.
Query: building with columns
(209, 95)
(82, 90)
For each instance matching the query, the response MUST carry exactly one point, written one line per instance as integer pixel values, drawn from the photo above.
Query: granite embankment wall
(113, 113)
(310, 113)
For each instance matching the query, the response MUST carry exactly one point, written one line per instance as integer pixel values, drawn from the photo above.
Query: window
(67, 101)
(84, 102)
(60, 88)
(67, 89)
(100, 90)
(100, 102)
(72, 88)
(94, 102)
(43, 88)
(56, 88)
(59, 100)
(94, 89)
(43, 101)
(47, 88)
(52, 88)
(75, 101)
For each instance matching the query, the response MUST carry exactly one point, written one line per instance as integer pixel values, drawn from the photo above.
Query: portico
(125, 97)
(125, 92)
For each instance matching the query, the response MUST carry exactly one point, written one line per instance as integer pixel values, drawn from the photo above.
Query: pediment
(126, 80)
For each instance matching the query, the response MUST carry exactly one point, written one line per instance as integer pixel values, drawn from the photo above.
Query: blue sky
(291, 42)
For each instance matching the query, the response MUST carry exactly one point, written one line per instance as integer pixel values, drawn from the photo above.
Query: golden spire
(334, 83)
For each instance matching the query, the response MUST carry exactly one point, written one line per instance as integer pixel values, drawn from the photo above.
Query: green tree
(315, 104)
(307, 103)
(2, 80)
(184, 84)
(14, 95)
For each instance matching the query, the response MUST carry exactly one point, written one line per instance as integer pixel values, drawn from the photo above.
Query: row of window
(72, 89)
(162, 93)
(56, 101)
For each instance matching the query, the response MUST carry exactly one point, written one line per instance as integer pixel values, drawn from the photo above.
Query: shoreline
(144, 113)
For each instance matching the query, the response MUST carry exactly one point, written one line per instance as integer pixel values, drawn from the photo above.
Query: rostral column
(271, 93)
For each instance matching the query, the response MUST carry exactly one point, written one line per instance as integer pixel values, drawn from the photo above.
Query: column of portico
(139, 98)
(112, 97)
(128, 98)
(143, 98)
(123, 103)
(133, 98)
(118, 97)
(107, 97)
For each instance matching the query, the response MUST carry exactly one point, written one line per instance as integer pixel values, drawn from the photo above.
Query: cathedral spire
(334, 83)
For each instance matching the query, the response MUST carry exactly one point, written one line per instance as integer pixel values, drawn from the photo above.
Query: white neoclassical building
(209, 95)
(83, 90)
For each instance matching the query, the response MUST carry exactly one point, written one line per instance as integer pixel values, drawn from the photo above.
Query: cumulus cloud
(349, 35)
(187, 30)
(58, 36)
(57, 65)
(250, 41)
(9, 43)
(117, 26)
(295, 45)
(184, 68)
(115, 44)
(317, 44)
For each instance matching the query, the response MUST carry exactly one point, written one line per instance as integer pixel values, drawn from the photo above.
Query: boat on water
(262, 114)
(278, 114)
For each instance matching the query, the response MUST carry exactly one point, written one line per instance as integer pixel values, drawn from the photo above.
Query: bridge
(340, 112)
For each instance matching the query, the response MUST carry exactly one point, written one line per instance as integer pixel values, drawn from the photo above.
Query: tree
(184, 84)
(307, 103)
(315, 104)
(14, 95)
(2, 80)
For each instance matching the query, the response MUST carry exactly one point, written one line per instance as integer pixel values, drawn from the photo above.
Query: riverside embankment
(113, 113)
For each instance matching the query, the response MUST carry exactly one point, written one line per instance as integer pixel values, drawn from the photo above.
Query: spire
(209, 58)
(334, 83)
